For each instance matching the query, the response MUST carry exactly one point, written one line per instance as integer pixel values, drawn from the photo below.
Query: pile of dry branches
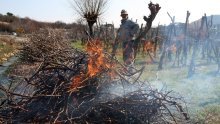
(43, 43)
(49, 96)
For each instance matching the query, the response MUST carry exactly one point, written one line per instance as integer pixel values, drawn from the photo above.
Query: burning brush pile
(70, 86)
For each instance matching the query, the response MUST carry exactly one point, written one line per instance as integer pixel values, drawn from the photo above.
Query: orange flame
(77, 80)
(96, 57)
(96, 64)
(148, 46)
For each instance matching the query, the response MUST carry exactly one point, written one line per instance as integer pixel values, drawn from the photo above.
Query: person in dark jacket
(126, 34)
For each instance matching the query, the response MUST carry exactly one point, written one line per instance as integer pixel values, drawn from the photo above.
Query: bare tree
(90, 10)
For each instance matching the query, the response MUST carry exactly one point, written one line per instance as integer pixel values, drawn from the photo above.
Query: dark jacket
(127, 30)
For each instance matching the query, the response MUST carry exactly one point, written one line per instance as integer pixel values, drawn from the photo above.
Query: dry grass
(209, 115)
(8, 48)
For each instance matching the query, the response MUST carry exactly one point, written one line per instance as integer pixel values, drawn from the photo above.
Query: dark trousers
(128, 52)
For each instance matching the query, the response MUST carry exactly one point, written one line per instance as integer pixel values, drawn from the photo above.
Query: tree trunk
(192, 67)
(167, 43)
(91, 22)
(156, 40)
(185, 43)
(160, 66)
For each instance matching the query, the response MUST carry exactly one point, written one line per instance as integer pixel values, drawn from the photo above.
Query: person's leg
(128, 56)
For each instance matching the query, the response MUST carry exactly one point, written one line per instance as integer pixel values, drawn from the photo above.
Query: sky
(62, 10)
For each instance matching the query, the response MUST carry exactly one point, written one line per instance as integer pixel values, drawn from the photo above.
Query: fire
(148, 46)
(97, 63)
(77, 80)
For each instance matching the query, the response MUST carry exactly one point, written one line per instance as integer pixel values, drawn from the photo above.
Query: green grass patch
(78, 45)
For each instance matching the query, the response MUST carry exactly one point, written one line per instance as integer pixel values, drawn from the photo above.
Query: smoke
(200, 90)
(121, 89)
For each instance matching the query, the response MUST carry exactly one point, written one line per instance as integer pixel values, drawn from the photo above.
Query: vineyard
(75, 73)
